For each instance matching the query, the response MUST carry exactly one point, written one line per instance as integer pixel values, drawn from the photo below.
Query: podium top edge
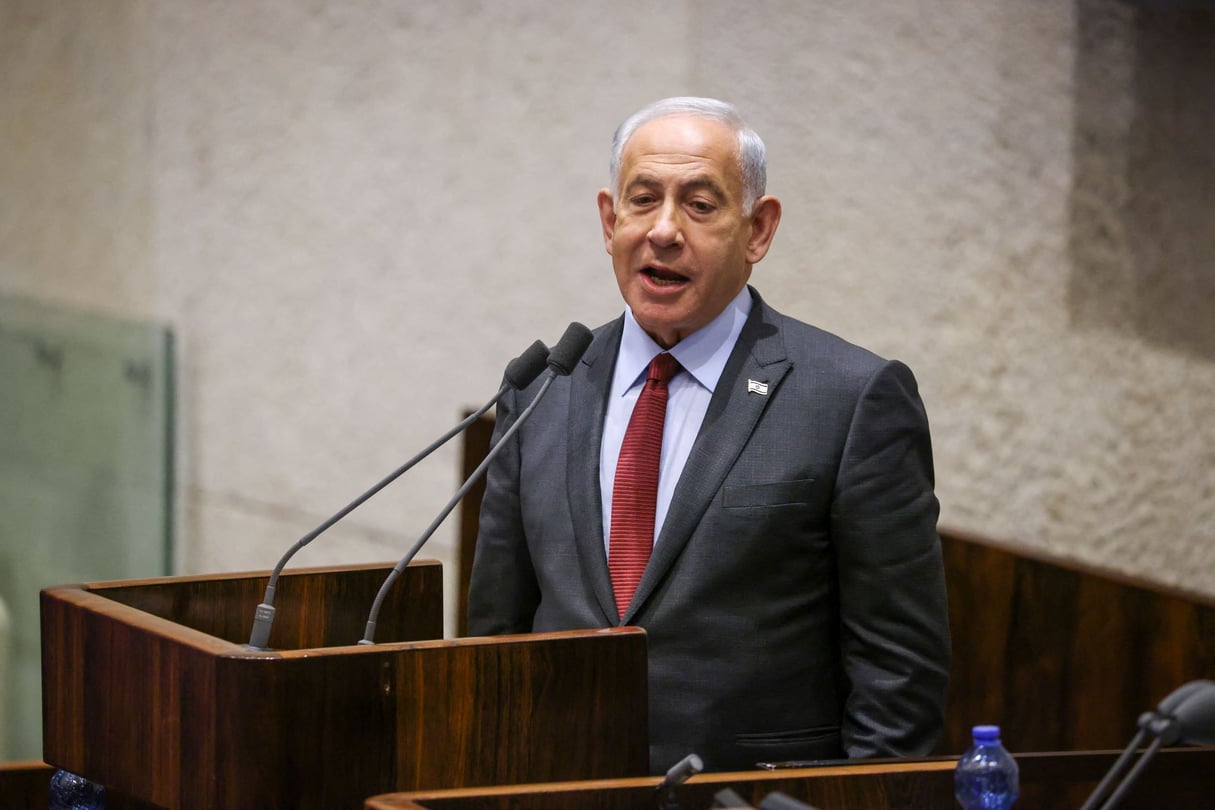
(520, 639)
(102, 585)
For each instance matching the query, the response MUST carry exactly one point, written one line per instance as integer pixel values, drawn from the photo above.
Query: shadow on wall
(1143, 201)
(4, 685)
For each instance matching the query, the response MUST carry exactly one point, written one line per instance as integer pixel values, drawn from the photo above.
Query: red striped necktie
(635, 492)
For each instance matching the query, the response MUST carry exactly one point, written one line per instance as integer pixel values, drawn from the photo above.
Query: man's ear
(607, 217)
(765, 216)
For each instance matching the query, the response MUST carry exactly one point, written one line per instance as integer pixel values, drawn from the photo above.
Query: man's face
(680, 244)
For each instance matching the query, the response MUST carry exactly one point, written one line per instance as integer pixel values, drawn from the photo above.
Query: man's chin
(666, 332)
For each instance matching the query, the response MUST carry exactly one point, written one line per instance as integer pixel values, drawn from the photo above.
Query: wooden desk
(1178, 779)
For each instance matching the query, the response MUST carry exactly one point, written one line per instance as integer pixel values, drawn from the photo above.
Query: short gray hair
(752, 155)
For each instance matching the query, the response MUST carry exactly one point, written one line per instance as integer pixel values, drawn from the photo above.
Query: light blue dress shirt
(702, 355)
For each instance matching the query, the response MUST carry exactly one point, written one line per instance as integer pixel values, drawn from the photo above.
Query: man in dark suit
(794, 598)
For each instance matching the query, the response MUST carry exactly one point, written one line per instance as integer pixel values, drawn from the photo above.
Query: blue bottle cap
(986, 733)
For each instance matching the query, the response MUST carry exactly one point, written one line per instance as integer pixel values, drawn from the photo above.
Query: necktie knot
(662, 368)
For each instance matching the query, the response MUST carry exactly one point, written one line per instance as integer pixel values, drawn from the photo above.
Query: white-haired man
(781, 553)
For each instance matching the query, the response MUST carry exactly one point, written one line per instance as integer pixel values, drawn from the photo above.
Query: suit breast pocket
(798, 492)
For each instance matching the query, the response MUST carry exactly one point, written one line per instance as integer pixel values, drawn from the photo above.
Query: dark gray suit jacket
(794, 604)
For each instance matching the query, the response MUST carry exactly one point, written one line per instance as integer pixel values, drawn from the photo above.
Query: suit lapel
(588, 403)
(759, 356)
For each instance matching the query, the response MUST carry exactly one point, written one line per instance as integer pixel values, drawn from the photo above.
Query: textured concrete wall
(354, 214)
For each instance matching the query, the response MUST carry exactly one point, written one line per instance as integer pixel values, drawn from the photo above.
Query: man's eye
(643, 199)
(702, 207)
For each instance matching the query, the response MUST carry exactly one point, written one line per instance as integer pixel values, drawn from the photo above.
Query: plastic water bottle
(72, 792)
(987, 777)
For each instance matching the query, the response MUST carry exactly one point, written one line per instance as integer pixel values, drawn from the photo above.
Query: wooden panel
(1176, 779)
(1063, 657)
(466, 712)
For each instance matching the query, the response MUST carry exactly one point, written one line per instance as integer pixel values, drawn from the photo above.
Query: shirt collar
(703, 354)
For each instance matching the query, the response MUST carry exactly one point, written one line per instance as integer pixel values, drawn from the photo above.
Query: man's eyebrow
(643, 180)
(696, 181)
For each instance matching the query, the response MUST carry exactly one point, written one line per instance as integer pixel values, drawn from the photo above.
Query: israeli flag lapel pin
(757, 387)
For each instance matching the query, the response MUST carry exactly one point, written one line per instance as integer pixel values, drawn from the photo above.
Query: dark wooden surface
(149, 690)
(1176, 779)
(24, 785)
(1065, 657)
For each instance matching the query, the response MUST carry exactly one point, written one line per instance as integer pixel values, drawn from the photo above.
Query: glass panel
(85, 476)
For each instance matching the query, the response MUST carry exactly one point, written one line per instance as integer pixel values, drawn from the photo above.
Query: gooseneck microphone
(1187, 715)
(519, 374)
(782, 801)
(680, 772)
(561, 361)
(728, 799)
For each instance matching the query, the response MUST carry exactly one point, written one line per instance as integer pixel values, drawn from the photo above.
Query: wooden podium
(149, 689)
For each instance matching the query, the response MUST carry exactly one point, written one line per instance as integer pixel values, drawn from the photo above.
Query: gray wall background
(353, 214)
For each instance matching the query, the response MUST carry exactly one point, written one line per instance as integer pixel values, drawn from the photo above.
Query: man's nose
(667, 229)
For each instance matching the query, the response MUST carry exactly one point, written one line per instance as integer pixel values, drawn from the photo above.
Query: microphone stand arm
(399, 568)
(1126, 783)
(263, 617)
(1108, 780)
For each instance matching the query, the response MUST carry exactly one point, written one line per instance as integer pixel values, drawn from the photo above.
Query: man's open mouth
(663, 277)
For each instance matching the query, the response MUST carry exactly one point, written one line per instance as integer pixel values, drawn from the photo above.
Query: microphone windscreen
(683, 770)
(780, 801)
(1196, 714)
(728, 799)
(525, 368)
(570, 348)
(1179, 695)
